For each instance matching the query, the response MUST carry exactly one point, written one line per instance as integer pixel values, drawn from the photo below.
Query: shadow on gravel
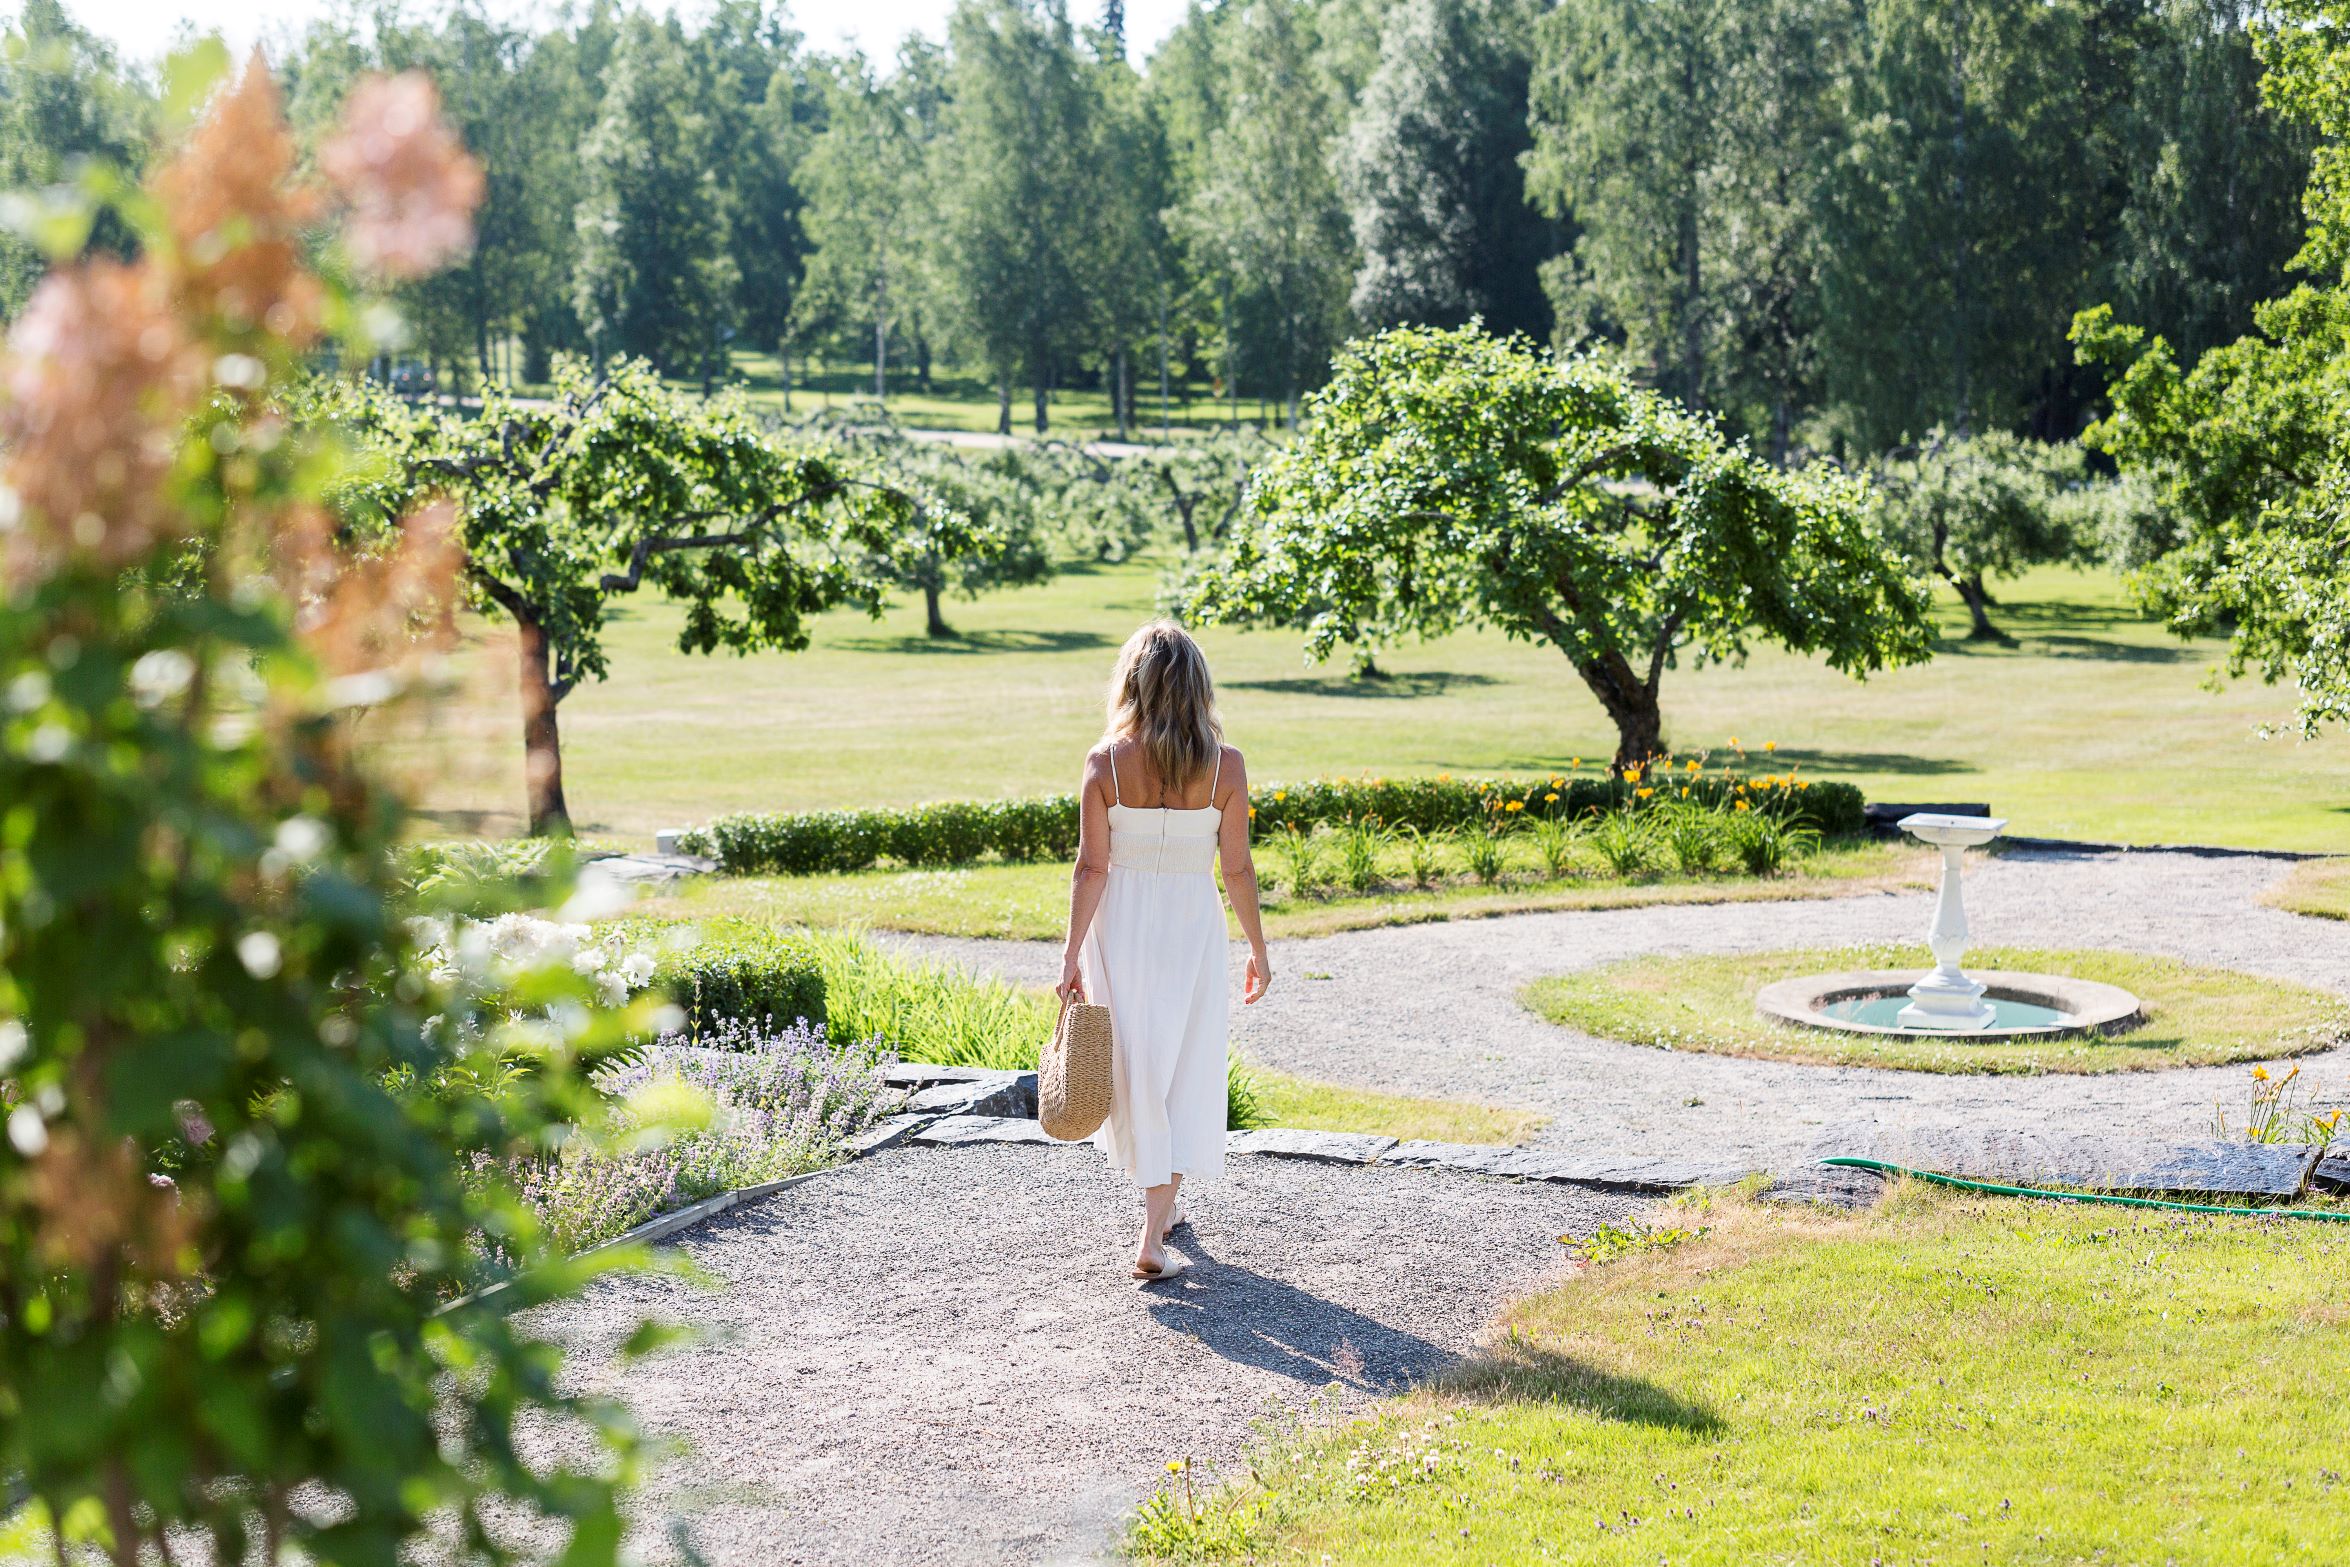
(1522, 1374)
(1257, 1321)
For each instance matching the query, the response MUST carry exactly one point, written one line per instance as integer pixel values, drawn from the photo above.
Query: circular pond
(1870, 1001)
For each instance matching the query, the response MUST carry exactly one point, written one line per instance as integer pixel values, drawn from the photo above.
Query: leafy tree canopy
(2246, 449)
(1971, 507)
(618, 482)
(1451, 477)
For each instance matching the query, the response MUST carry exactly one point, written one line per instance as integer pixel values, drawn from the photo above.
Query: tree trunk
(1162, 361)
(1121, 391)
(1640, 731)
(934, 623)
(1003, 402)
(1970, 589)
(881, 359)
(1040, 403)
(542, 742)
(783, 367)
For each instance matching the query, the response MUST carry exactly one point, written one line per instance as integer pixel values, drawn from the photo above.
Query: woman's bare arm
(1240, 873)
(1092, 875)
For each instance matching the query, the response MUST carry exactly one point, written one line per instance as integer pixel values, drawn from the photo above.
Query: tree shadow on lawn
(1418, 684)
(2104, 652)
(1006, 641)
(1854, 761)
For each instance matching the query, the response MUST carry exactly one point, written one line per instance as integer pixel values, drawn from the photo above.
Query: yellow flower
(1575, 761)
(2260, 1074)
(1644, 793)
(1551, 798)
(1684, 791)
(1632, 774)
(1515, 805)
(1690, 765)
(1176, 1466)
(1555, 781)
(1280, 795)
(1444, 778)
(1770, 745)
(1734, 745)
(1740, 805)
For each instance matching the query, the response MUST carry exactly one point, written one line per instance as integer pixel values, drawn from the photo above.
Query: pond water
(1885, 1012)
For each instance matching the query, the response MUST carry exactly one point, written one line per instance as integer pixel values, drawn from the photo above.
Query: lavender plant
(773, 1102)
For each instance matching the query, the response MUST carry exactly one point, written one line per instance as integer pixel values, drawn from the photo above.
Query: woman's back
(1169, 835)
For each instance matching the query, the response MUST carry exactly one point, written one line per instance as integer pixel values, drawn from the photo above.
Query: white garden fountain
(1946, 999)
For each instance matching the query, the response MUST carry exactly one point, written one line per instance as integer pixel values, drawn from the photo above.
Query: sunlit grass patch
(2318, 888)
(1031, 902)
(2195, 1016)
(1946, 1379)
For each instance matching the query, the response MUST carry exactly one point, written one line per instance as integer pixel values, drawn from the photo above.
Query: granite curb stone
(1281, 1142)
(956, 1130)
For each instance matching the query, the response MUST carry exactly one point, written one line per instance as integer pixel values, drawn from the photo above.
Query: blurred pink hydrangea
(410, 184)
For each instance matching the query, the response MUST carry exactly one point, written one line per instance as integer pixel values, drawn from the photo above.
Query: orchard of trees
(1838, 227)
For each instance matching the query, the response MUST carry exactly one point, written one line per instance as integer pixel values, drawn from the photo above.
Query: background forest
(1838, 226)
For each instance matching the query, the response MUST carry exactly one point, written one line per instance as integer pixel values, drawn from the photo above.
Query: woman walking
(1164, 800)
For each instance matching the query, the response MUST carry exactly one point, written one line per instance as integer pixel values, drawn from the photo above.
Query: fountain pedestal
(1946, 998)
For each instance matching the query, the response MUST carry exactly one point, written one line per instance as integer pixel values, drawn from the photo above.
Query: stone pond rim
(2089, 1007)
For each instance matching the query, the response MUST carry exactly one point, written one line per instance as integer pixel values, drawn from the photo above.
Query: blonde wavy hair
(1162, 699)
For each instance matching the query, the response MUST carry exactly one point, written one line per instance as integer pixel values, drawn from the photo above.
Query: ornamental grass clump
(239, 1256)
(1361, 847)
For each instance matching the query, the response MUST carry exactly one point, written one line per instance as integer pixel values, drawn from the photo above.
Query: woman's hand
(1072, 985)
(1260, 976)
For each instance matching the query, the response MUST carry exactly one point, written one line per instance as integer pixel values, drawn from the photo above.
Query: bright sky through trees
(143, 28)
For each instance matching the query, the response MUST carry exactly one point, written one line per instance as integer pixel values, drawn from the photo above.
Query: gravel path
(935, 1355)
(1433, 1009)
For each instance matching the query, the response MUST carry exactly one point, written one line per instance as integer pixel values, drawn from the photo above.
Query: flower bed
(958, 832)
(779, 1102)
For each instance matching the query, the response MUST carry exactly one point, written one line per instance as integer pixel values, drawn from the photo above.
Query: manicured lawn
(2095, 725)
(941, 1013)
(1031, 902)
(1316, 1106)
(1945, 1380)
(2318, 888)
(2194, 1016)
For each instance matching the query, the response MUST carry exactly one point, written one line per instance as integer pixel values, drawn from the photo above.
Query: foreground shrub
(738, 972)
(833, 842)
(229, 1245)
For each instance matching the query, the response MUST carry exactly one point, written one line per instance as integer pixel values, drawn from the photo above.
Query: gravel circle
(936, 1355)
(1434, 1009)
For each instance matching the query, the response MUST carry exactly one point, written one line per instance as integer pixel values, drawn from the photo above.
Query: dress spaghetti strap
(1115, 796)
(1217, 776)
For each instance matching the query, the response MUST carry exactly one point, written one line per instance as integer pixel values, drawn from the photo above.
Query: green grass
(940, 1013)
(1945, 1380)
(2194, 1016)
(1031, 902)
(1327, 1107)
(2317, 888)
(2094, 725)
(960, 402)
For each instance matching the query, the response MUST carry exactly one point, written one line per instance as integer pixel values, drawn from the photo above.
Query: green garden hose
(2330, 1215)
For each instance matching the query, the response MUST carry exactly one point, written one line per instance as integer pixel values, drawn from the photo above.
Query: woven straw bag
(1073, 1078)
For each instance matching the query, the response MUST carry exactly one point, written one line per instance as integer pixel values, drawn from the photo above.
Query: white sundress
(1157, 957)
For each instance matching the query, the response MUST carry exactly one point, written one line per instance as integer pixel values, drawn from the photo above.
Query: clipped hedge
(959, 832)
(737, 971)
